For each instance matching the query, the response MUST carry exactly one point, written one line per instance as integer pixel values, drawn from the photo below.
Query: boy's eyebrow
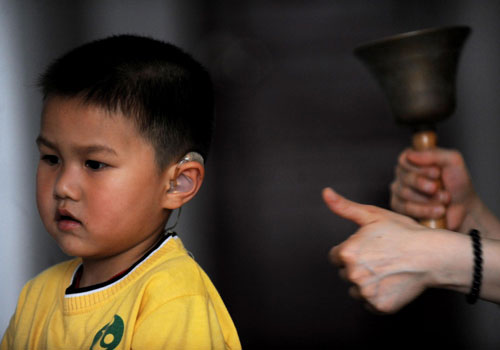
(40, 140)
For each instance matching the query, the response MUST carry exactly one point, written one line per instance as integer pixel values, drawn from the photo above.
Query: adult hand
(416, 192)
(391, 259)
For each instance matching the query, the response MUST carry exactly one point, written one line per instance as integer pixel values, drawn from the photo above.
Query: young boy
(126, 123)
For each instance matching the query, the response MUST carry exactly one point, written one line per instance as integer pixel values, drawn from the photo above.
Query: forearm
(456, 266)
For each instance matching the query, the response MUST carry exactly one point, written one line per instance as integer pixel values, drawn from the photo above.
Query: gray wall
(296, 113)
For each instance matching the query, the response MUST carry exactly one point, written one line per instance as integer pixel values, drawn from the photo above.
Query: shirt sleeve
(188, 322)
(7, 340)
(8, 337)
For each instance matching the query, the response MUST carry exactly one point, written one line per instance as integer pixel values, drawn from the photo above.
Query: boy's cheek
(44, 198)
(42, 191)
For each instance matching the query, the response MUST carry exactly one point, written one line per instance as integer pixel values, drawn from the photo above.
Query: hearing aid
(182, 183)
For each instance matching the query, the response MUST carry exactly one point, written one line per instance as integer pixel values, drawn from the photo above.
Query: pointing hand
(389, 259)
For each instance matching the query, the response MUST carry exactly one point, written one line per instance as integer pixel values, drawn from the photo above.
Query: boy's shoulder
(52, 279)
(54, 273)
(176, 274)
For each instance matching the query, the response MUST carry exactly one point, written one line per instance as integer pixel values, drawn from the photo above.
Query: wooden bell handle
(421, 141)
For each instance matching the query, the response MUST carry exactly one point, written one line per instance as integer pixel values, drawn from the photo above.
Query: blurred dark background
(296, 113)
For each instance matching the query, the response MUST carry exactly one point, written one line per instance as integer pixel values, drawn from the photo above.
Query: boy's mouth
(66, 221)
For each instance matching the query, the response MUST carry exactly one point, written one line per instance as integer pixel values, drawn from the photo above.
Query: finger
(334, 256)
(430, 171)
(374, 310)
(416, 181)
(343, 273)
(443, 197)
(355, 293)
(437, 157)
(406, 193)
(418, 210)
(359, 213)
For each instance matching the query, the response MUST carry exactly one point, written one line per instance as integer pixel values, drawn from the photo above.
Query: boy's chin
(71, 252)
(70, 246)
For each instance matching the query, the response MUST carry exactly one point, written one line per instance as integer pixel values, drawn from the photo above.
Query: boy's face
(99, 192)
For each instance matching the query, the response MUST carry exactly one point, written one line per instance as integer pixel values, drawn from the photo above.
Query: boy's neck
(100, 270)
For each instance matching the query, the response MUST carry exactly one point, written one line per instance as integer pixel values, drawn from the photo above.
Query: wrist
(474, 214)
(453, 262)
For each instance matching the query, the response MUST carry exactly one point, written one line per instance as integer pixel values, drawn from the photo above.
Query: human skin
(100, 194)
(415, 191)
(391, 259)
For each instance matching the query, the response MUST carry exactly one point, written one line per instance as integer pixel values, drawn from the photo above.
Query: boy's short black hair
(165, 91)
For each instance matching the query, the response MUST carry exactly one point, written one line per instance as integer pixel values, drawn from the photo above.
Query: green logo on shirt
(109, 336)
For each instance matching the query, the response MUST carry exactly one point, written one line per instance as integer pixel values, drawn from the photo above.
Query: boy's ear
(183, 180)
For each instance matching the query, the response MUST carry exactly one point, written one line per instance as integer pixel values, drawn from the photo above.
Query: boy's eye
(95, 165)
(50, 159)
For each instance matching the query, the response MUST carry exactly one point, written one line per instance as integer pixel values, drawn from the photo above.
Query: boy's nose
(67, 185)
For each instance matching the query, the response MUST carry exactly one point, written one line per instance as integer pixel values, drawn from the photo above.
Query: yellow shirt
(165, 301)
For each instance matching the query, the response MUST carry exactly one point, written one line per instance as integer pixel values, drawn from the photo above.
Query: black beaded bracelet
(478, 267)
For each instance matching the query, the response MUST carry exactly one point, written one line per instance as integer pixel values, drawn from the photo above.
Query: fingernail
(438, 211)
(429, 186)
(329, 193)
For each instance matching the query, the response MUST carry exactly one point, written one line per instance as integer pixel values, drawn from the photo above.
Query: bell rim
(411, 34)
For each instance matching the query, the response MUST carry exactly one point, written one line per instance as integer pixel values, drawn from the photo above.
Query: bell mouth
(417, 71)
(458, 31)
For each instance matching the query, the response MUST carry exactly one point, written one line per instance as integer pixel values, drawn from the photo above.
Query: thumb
(359, 213)
(438, 156)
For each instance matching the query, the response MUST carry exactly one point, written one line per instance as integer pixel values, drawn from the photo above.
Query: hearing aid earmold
(182, 183)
